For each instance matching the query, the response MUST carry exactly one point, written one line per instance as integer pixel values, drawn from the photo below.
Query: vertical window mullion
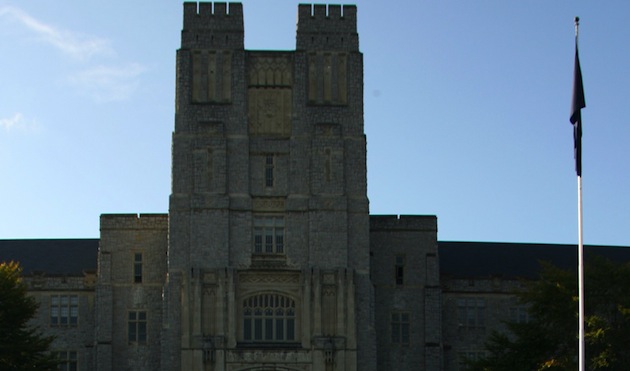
(54, 310)
(269, 235)
(268, 318)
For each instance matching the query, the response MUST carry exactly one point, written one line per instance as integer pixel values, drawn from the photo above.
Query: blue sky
(466, 113)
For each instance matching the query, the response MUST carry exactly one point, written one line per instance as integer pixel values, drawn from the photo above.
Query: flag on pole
(576, 114)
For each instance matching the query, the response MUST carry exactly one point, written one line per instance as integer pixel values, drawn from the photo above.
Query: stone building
(268, 258)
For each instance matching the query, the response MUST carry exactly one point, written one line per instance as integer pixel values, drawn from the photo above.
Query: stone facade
(474, 309)
(269, 199)
(405, 274)
(66, 312)
(131, 272)
(268, 258)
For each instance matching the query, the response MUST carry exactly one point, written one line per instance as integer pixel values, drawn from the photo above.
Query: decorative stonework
(276, 358)
(328, 78)
(268, 204)
(277, 278)
(209, 277)
(269, 111)
(270, 71)
(328, 278)
(270, 80)
(329, 290)
(211, 76)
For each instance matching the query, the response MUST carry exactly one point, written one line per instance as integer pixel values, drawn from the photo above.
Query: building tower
(268, 240)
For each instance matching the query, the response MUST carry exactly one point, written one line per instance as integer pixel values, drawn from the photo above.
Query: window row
(269, 318)
(266, 318)
(471, 313)
(67, 360)
(64, 310)
(268, 238)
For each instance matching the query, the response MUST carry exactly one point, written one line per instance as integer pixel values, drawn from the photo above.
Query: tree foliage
(549, 341)
(22, 347)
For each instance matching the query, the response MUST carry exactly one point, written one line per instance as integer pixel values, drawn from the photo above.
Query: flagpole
(580, 274)
(580, 240)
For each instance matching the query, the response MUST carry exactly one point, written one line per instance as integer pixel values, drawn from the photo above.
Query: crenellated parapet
(332, 27)
(133, 221)
(403, 223)
(213, 25)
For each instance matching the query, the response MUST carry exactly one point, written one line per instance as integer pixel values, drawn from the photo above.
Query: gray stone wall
(68, 337)
(234, 109)
(119, 292)
(405, 275)
(488, 303)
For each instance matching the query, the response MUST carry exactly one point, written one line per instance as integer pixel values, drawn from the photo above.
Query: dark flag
(576, 114)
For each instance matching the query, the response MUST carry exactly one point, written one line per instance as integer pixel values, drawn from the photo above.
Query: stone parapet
(426, 223)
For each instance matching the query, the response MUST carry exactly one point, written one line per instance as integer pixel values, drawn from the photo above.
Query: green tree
(549, 341)
(22, 347)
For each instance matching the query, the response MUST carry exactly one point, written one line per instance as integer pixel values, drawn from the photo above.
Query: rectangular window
(269, 235)
(400, 328)
(137, 267)
(64, 310)
(519, 314)
(471, 313)
(470, 356)
(67, 360)
(269, 167)
(137, 327)
(400, 269)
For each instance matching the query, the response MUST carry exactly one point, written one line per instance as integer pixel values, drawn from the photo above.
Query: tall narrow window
(400, 328)
(137, 267)
(64, 310)
(328, 166)
(67, 360)
(269, 318)
(137, 327)
(399, 270)
(269, 167)
(269, 235)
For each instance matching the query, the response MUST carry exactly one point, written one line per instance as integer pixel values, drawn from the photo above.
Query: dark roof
(515, 260)
(53, 256)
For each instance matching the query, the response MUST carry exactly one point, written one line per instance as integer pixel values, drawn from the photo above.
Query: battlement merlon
(210, 15)
(332, 27)
(322, 18)
(213, 25)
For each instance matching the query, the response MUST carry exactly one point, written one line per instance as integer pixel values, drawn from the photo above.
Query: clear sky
(466, 112)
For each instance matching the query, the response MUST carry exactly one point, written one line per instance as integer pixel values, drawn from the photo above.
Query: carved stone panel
(269, 70)
(328, 78)
(211, 76)
(269, 111)
(268, 204)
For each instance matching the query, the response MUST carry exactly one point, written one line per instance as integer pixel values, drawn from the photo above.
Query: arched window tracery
(269, 317)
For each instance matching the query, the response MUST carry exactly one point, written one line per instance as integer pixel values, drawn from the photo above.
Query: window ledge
(268, 345)
(269, 261)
